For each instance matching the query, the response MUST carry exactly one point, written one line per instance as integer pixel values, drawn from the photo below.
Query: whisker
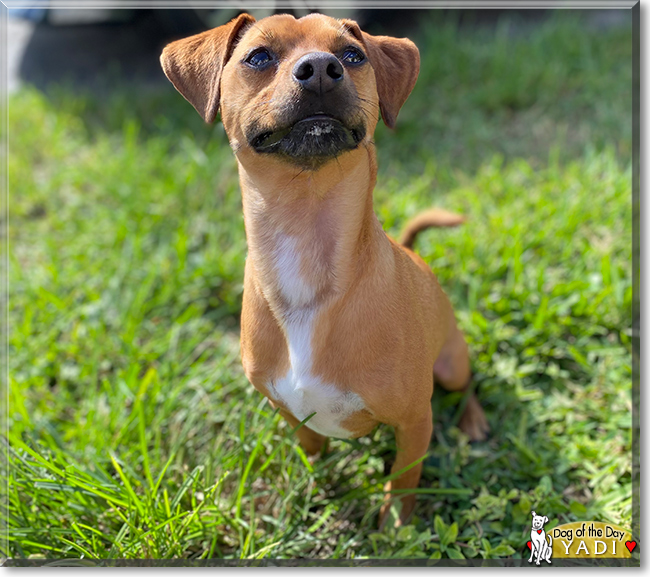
(376, 104)
(296, 176)
(343, 31)
(268, 34)
(255, 103)
(369, 111)
(339, 163)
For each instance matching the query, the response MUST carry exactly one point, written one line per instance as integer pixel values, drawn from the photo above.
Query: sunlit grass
(132, 429)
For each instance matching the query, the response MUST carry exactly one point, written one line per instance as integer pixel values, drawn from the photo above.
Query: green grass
(132, 429)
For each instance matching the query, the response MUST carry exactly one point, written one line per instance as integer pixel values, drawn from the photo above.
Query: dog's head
(539, 521)
(304, 90)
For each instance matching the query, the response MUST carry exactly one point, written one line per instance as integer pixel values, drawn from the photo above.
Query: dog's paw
(396, 511)
(473, 422)
(321, 454)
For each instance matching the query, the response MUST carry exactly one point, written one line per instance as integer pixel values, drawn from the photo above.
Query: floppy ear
(396, 62)
(533, 513)
(545, 519)
(194, 64)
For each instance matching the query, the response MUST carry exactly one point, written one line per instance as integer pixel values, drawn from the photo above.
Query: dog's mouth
(310, 140)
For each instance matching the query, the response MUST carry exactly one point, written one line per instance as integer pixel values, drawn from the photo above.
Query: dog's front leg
(532, 551)
(311, 441)
(412, 441)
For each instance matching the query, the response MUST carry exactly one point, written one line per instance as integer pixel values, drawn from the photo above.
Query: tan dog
(339, 321)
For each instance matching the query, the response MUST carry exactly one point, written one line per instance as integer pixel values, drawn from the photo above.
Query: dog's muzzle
(310, 140)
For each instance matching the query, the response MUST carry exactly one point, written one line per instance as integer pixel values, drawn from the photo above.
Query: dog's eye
(259, 58)
(352, 56)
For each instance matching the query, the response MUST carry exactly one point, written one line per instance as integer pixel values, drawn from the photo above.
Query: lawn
(132, 430)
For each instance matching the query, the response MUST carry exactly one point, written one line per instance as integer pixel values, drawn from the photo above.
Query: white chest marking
(294, 289)
(299, 390)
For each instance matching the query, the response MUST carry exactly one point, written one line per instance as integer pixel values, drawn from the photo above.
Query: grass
(132, 431)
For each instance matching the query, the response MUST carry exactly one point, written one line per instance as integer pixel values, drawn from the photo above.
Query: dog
(342, 327)
(538, 543)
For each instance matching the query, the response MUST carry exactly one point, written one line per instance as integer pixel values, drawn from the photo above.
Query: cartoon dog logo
(538, 544)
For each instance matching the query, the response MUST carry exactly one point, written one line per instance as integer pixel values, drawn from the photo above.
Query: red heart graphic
(539, 531)
(530, 545)
(630, 545)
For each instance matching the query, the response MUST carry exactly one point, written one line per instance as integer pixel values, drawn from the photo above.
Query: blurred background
(93, 51)
(52, 45)
(132, 429)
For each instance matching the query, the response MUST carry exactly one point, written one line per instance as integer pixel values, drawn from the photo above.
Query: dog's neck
(310, 233)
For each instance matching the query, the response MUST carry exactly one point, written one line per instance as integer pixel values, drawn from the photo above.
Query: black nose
(318, 72)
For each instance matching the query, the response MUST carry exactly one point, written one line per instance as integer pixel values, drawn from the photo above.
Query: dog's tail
(434, 217)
